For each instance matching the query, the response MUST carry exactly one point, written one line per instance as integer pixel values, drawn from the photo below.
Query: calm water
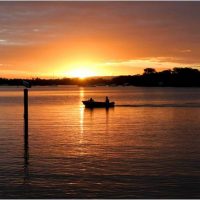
(148, 146)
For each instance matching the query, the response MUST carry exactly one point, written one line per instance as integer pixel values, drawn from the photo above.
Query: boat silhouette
(98, 104)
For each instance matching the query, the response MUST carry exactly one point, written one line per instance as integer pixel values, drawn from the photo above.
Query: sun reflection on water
(81, 121)
(81, 110)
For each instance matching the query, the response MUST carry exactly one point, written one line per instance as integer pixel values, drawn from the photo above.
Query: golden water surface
(145, 147)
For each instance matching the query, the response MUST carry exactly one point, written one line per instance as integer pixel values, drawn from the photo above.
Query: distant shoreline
(178, 77)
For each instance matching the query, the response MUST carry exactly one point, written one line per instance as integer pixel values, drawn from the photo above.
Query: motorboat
(98, 104)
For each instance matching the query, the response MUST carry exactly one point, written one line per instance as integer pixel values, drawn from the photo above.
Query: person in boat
(91, 100)
(107, 101)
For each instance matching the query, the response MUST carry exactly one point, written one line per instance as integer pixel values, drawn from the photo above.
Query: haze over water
(145, 147)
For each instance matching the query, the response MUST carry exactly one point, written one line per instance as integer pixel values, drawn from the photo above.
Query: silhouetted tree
(149, 71)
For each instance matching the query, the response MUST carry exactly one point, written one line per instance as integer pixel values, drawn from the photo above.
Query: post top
(26, 84)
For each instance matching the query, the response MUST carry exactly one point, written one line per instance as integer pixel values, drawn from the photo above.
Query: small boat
(98, 104)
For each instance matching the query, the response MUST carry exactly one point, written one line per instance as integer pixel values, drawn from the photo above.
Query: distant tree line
(177, 77)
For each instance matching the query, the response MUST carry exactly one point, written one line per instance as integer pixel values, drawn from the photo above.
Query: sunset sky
(66, 39)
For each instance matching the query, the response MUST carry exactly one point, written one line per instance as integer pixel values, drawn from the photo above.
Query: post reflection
(26, 154)
(26, 161)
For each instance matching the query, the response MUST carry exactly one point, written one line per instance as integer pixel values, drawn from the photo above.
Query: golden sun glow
(81, 72)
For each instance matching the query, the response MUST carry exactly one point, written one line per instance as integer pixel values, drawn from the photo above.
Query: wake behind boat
(98, 104)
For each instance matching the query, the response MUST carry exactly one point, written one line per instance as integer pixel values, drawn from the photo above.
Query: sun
(81, 73)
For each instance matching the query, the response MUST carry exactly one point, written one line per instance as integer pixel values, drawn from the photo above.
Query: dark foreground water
(148, 146)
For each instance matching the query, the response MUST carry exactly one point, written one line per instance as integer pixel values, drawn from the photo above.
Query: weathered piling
(26, 116)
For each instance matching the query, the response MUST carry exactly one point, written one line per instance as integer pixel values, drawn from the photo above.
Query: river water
(145, 147)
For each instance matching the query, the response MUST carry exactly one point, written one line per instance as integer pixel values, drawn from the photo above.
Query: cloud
(44, 33)
(186, 51)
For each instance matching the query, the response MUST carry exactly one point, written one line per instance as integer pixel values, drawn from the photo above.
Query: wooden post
(26, 116)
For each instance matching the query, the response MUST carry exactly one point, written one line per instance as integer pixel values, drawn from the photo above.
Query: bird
(26, 84)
